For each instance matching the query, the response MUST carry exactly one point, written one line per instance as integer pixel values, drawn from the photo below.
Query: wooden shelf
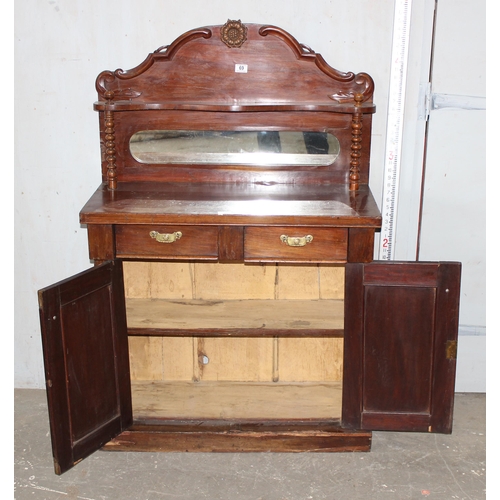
(235, 317)
(274, 203)
(236, 400)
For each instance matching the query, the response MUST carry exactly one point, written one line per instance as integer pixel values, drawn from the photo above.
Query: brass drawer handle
(296, 241)
(165, 237)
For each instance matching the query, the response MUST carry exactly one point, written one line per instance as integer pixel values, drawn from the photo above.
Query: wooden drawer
(295, 244)
(169, 242)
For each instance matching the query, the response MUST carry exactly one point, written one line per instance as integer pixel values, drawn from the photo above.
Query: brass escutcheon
(296, 241)
(165, 237)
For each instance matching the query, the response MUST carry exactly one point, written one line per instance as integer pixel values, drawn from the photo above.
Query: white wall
(453, 217)
(454, 197)
(60, 48)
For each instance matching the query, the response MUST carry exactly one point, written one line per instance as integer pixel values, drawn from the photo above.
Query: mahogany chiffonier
(238, 146)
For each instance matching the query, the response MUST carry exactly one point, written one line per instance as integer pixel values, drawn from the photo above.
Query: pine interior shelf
(235, 317)
(236, 400)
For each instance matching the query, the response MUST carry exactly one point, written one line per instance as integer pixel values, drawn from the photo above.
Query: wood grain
(229, 400)
(234, 314)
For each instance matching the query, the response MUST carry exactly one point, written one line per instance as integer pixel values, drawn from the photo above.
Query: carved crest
(233, 33)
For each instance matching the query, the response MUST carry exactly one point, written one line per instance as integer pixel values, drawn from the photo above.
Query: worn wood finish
(397, 374)
(221, 399)
(85, 344)
(271, 244)
(191, 242)
(231, 244)
(101, 240)
(361, 241)
(246, 331)
(233, 205)
(445, 347)
(238, 437)
(241, 318)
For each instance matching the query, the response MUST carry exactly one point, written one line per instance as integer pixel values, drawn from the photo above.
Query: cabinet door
(84, 336)
(401, 325)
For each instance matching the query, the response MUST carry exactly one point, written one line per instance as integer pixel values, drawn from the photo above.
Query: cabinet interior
(189, 372)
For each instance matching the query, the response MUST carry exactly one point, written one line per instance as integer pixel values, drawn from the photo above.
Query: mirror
(266, 148)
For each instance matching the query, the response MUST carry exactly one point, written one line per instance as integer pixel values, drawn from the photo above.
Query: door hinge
(454, 101)
(451, 349)
(425, 99)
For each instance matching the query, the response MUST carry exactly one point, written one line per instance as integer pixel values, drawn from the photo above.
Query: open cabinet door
(401, 326)
(85, 347)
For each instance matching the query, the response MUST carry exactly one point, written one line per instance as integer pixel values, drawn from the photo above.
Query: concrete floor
(400, 466)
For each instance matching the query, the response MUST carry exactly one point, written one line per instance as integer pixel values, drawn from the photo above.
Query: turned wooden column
(109, 138)
(356, 126)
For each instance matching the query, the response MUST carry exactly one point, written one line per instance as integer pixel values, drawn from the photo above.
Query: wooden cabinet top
(244, 204)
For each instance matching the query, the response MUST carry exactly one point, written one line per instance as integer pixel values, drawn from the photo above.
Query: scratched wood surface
(244, 400)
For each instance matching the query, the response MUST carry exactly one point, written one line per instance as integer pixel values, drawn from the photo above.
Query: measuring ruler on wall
(392, 159)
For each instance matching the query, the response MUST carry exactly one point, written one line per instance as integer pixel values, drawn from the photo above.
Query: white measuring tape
(397, 91)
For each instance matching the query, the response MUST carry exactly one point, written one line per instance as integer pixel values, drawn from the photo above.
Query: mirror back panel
(251, 84)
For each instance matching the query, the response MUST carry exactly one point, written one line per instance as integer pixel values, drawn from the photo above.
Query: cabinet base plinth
(236, 437)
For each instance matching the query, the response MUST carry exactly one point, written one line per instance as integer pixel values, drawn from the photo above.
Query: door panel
(85, 347)
(397, 368)
(399, 361)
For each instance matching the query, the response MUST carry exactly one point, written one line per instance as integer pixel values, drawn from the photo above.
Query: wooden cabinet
(218, 164)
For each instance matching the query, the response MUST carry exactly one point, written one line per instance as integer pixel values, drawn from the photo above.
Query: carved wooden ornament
(233, 33)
